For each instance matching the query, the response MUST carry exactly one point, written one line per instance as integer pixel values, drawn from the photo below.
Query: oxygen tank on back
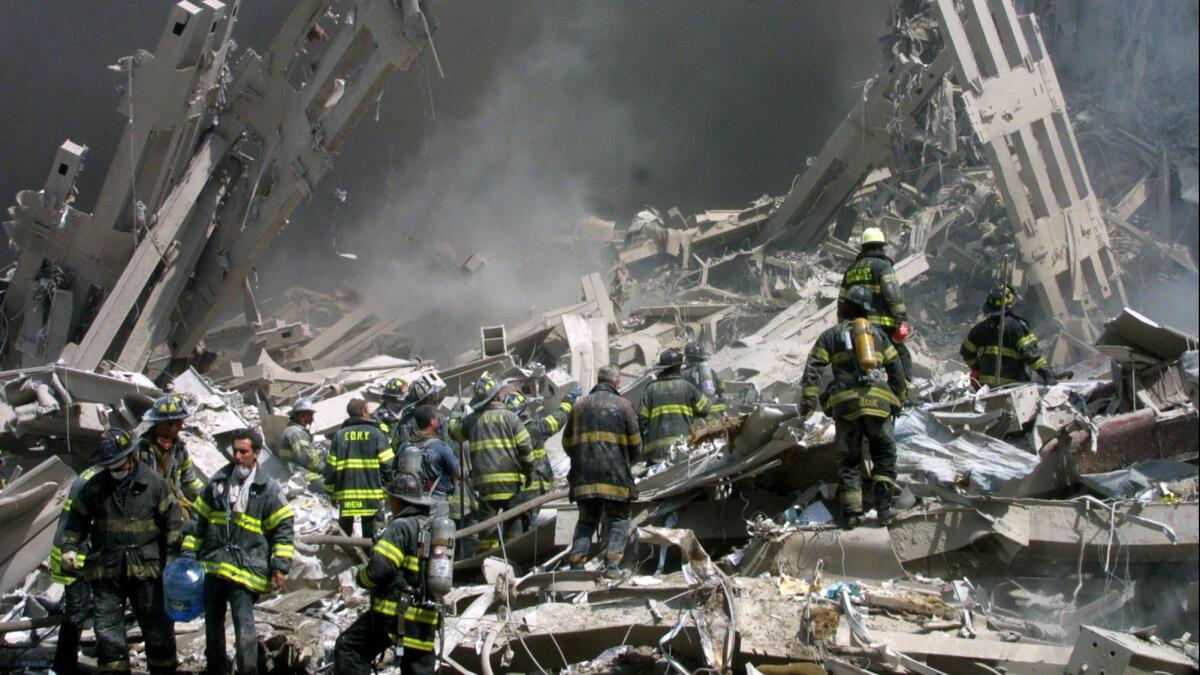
(439, 571)
(708, 383)
(864, 345)
(410, 461)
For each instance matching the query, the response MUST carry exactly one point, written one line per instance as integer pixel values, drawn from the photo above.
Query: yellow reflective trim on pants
(237, 575)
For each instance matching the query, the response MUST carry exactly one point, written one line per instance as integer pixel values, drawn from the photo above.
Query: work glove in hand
(1047, 377)
(574, 394)
(70, 560)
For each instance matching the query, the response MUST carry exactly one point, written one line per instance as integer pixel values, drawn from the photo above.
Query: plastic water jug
(183, 589)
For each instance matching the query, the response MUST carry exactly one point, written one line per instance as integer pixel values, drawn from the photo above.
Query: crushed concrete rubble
(1043, 529)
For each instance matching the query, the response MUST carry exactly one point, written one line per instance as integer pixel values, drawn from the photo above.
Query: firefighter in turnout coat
(163, 450)
(242, 535)
(401, 612)
(603, 440)
(541, 429)
(128, 521)
(862, 404)
(669, 404)
(359, 465)
(501, 455)
(77, 593)
(1004, 355)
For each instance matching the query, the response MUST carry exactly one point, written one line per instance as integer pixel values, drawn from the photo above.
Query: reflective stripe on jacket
(297, 449)
(874, 270)
(243, 547)
(853, 394)
(1018, 356)
(542, 429)
(131, 526)
(602, 439)
(665, 416)
(358, 466)
(501, 451)
(57, 573)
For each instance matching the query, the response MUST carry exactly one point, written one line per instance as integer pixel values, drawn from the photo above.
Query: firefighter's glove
(70, 560)
(574, 394)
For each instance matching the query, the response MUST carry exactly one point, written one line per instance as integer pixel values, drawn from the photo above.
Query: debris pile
(1040, 527)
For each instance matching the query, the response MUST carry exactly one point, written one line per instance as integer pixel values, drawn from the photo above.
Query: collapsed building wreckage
(1043, 523)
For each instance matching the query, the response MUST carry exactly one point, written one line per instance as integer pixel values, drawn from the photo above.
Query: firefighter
(297, 448)
(420, 393)
(541, 429)
(77, 594)
(161, 449)
(501, 454)
(440, 469)
(873, 270)
(669, 405)
(130, 519)
(401, 609)
(387, 415)
(1002, 349)
(358, 466)
(242, 535)
(697, 371)
(863, 398)
(603, 440)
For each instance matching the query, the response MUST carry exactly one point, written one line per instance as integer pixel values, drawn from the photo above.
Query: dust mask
(242, 472)
(118, 474)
